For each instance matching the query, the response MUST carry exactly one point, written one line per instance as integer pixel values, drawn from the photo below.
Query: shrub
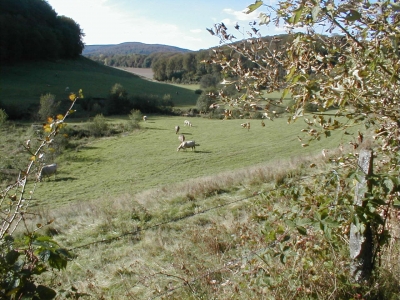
(3, 117)
(203, 102)
(48, 106)
(98, 127)
(134, 118)
(117, 102)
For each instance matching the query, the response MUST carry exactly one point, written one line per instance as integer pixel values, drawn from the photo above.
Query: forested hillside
(173, 66)
(130, 48)
(32, 30)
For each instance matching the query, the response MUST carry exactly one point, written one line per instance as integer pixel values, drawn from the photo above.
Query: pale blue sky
(171, 22)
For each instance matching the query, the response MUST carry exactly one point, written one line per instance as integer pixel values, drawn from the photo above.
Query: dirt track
(143, 72)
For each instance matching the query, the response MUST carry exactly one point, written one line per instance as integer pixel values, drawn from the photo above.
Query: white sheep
(187, 122)
(145, 118)
(48, 170)
(187, 144)
(177, 129)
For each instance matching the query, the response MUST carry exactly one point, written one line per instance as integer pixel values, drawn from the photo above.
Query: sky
(170, 22)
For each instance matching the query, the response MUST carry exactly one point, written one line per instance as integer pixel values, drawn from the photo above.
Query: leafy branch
(21, 261)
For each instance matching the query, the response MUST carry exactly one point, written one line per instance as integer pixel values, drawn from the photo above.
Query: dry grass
(130, 248)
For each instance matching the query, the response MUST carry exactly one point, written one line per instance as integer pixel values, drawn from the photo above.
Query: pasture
(130, 207)
(23, 84)
(146, 221)
(147, 158)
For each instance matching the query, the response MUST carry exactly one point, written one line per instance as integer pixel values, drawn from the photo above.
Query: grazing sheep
(145, 118)
(187, 122)
(187, 144)
(246, 125)
(177, 129)
(181, 137)
(48, 170)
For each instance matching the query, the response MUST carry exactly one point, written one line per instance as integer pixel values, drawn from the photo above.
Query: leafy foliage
(31, 30)
(3, 117)
(48, 106)
(98, 127)
(22, 261)
(355, 72)
(135, 117)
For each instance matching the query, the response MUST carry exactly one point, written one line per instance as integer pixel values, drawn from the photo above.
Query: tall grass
(202, 238)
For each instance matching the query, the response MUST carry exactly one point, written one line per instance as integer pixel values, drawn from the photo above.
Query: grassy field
(23, 84)
(123, 205)
(147, 158)
(146, 221)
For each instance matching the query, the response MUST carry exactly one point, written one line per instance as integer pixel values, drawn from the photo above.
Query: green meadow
(146, 221)
(24, 83)
(148, 158)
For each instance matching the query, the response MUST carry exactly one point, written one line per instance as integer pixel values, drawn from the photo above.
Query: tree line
(32, 30)
(179, 67)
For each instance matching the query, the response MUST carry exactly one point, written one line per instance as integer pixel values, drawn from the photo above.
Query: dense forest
(32, 30)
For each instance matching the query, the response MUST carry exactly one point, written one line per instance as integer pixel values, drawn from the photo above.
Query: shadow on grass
(58, 179)
(195, 151)
(153, 128)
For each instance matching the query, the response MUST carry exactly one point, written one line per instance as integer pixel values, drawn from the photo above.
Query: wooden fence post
(361, 243)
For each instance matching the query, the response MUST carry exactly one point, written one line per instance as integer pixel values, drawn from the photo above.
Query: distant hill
(130, 48)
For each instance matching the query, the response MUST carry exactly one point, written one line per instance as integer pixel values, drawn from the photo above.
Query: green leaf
(45, 292)
(58, 262)
(395, 6)
(315, 11)
(290, 223)
(282, 258)
(270, 236)
(64, 253)
(39, 269)
(353, 15)
(12, 256)
(253, 7)
(388, 183)
(284, 93)
(45, 255)
(302, 222)
(302, 230)
(288, 77)
(328, 232)
(297, 14)
(45, 238)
